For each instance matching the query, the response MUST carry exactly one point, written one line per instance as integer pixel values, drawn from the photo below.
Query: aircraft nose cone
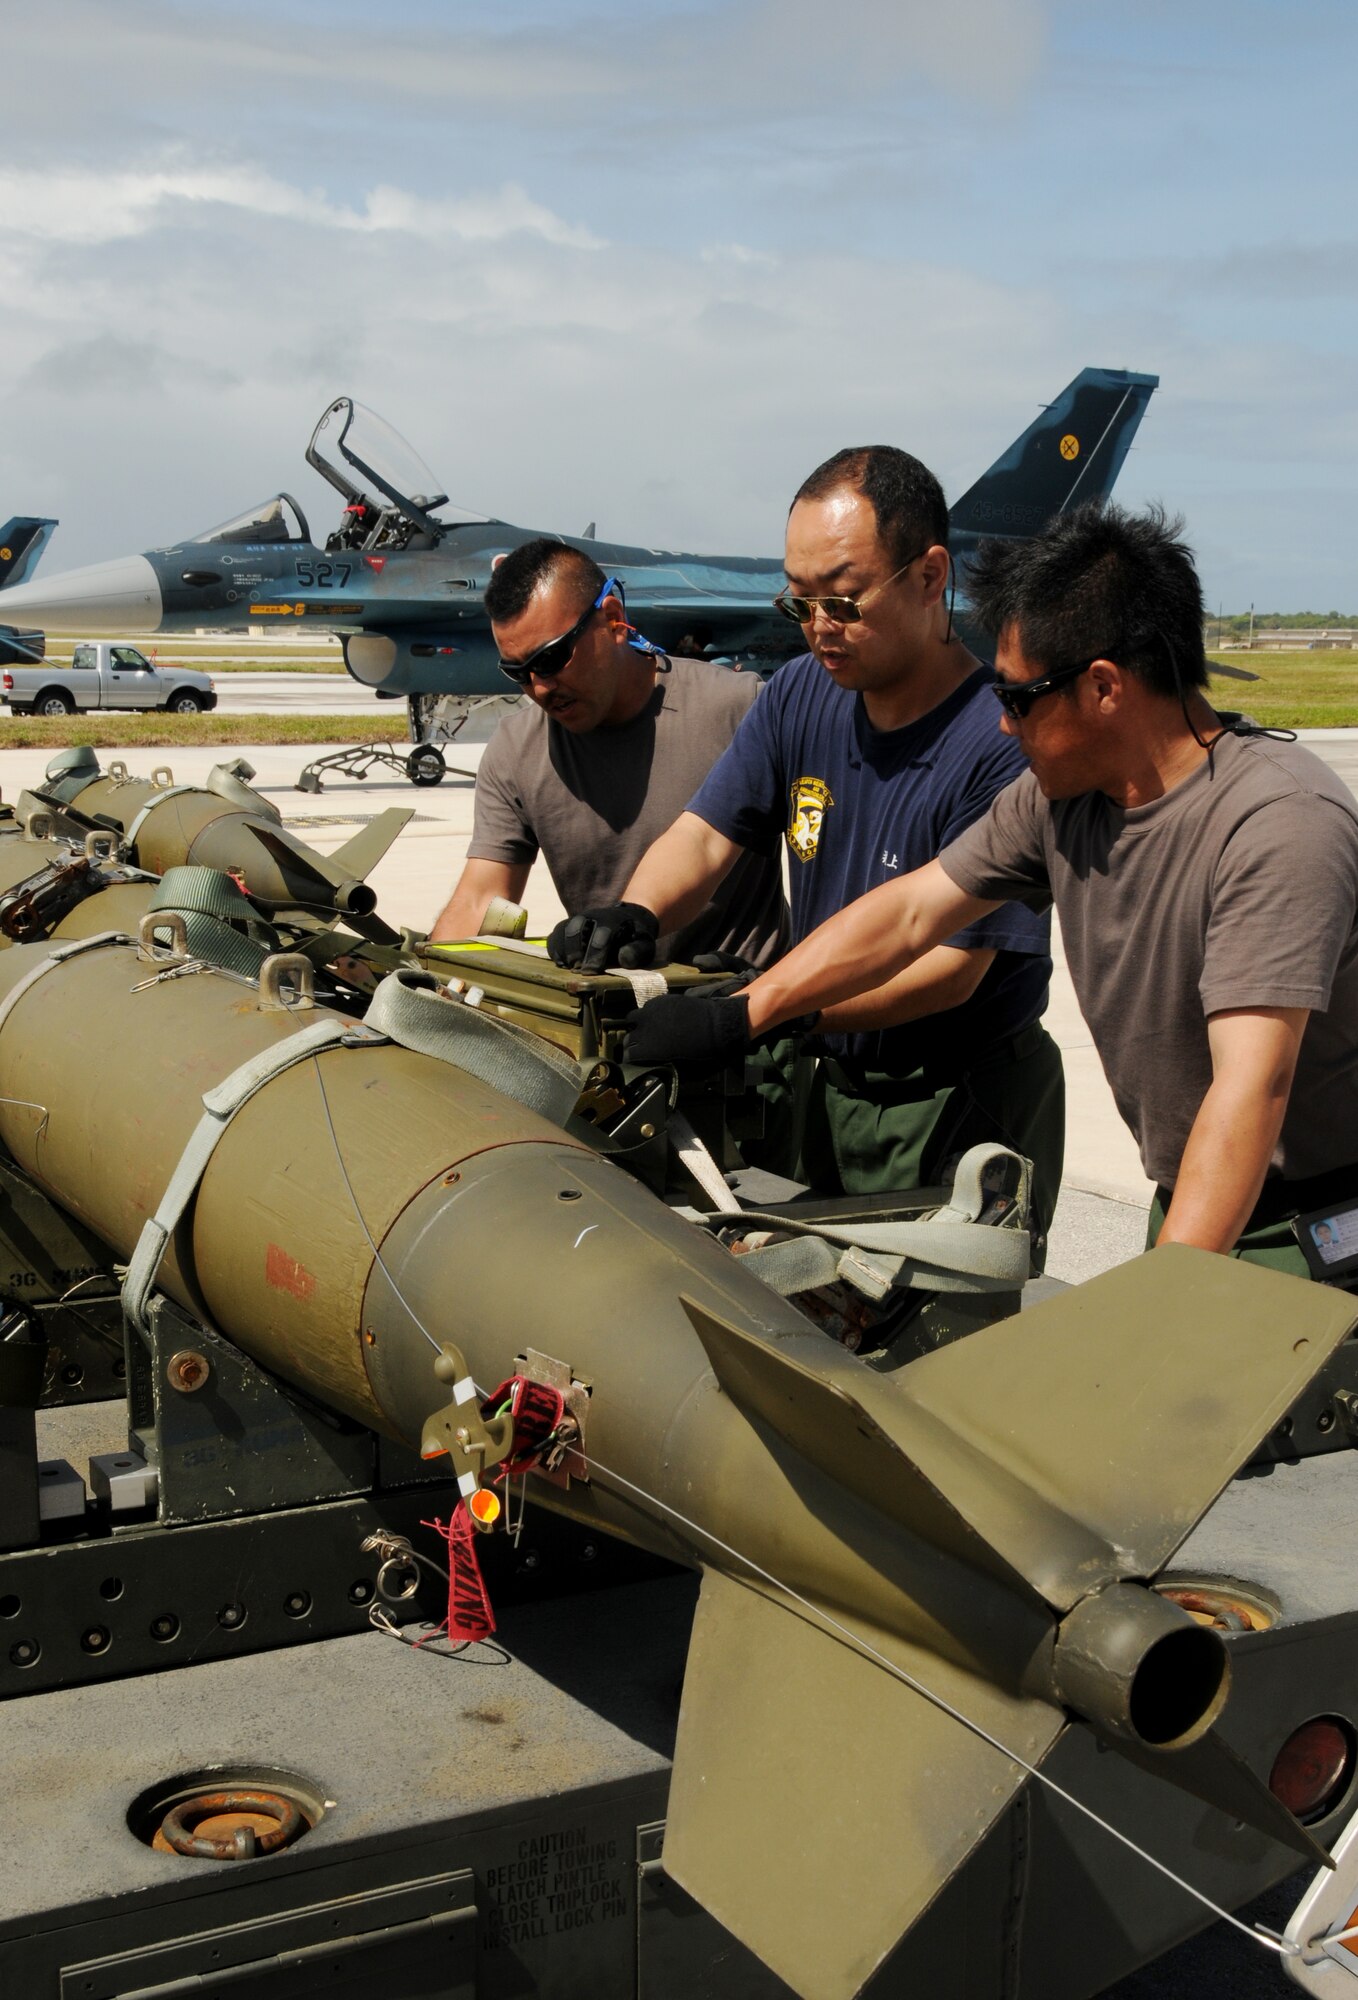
(104, 598)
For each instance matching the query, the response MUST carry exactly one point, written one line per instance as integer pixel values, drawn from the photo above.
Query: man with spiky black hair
(1205, 872)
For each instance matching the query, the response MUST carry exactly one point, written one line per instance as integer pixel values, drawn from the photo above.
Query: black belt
(849, 1073)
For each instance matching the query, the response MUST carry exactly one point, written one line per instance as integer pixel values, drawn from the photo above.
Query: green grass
(168, 732)
(1295, 690)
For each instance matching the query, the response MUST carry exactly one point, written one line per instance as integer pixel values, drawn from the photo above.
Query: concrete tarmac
(300, 694)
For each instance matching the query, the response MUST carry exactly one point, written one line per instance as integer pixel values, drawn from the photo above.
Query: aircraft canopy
(277, 520)
(379, 454)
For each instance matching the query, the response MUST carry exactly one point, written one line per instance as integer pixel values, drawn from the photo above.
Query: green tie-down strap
(948, 1251)
(220, 1105)
(411, 1008)
(221, 925)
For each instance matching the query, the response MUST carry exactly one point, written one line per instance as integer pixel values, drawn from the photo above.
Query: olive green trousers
(1267, 1237)
(869, 1131)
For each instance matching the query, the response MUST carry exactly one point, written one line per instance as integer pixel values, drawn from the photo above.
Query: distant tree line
(1237, 623)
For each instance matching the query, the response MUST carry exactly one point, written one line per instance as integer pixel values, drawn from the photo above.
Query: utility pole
(1251, 628)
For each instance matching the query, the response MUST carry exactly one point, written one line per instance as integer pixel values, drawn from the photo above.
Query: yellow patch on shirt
(811, 801)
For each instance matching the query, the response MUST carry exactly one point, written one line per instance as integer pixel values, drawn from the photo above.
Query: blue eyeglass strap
(612, 588)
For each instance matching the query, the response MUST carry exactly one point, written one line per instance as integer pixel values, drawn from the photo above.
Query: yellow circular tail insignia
(5, 554)
(1070, 445)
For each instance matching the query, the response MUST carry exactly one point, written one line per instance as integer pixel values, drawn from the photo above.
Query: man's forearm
(679, 873)
(477, 887)
(1254, 1056)
(1223, 1167)
(863, 947)
(942, 978)
(460, 918)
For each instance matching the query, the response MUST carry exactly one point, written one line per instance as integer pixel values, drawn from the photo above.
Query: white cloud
(879, 220)
(679, 397)
(84, 206)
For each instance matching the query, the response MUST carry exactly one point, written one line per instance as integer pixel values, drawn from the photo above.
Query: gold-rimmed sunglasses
(839, 610)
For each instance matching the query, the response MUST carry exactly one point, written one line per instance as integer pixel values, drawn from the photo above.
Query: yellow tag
(476, 944)
(1070, 445)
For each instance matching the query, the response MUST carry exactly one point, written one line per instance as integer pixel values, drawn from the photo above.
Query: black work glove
(726, 961)
(614, 934)
(688, 1027)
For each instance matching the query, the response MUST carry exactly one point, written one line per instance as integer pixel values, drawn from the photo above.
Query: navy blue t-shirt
(858, 805)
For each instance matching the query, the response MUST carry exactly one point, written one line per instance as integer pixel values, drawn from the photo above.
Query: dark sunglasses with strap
(556, 654)
(1017, 697)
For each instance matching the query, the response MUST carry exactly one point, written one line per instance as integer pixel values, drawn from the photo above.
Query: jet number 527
(325, 575)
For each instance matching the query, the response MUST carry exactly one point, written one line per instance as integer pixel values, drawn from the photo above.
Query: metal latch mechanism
(474, 1443)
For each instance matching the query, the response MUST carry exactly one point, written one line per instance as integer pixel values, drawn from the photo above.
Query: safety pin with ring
(169, 972)
(398, 1555)
(398, 1579)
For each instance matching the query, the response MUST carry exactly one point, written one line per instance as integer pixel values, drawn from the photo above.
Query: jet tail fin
(779, 1823)
(22, 541)
(1072, 453)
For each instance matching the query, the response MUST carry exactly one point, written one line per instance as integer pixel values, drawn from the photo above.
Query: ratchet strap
(409, 1007)
(221, 925)
(693, 1154)
(949, 1251)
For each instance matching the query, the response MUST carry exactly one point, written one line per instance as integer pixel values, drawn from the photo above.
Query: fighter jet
(402, 579)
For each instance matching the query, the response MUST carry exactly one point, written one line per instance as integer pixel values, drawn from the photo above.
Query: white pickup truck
(104, 674)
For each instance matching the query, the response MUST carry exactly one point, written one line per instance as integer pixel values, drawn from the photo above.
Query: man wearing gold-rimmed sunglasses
(870, 753)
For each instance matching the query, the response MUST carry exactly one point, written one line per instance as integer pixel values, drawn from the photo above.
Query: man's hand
(615, 934)
(688, 1027)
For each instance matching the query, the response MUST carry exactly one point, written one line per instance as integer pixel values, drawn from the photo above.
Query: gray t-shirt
(593, 804)
(1238, 888)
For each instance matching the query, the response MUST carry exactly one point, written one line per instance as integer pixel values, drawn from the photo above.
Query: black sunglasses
(556, 654)
(1017, 697)
(839, 610)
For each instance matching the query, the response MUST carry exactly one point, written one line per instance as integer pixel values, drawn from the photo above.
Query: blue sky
(649, 263)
